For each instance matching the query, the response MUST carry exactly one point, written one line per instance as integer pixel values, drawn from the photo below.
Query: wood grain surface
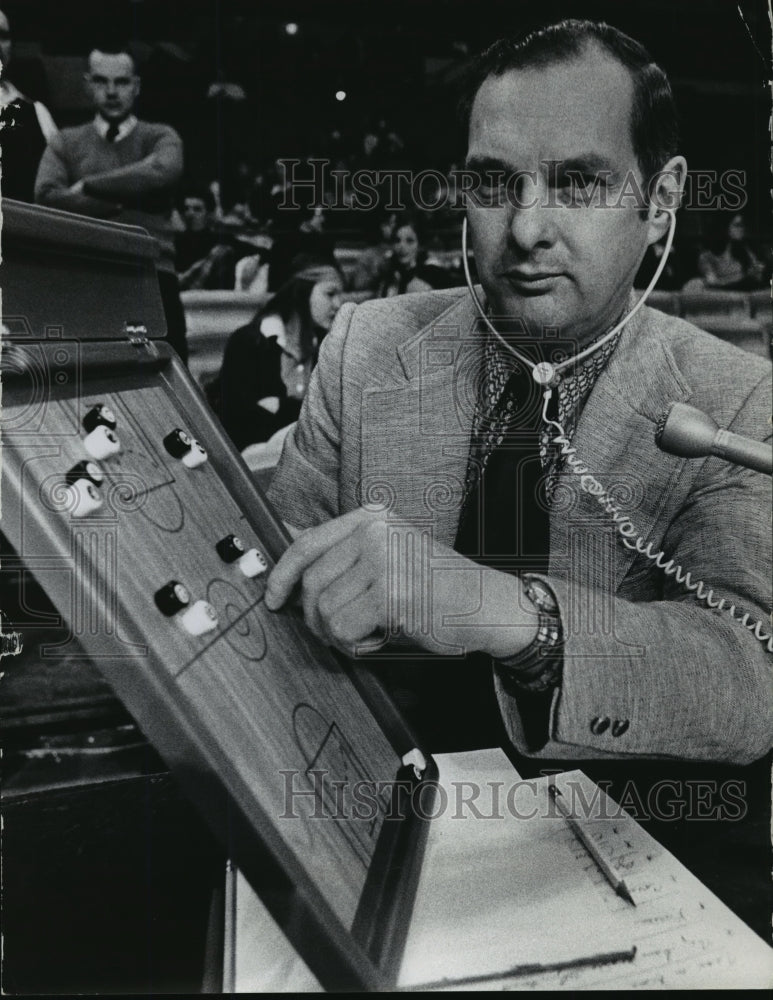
(262, 698)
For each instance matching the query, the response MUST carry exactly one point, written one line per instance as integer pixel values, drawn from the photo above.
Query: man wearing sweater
(120, 168)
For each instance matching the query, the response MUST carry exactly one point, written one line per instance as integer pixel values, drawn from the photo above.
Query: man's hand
(76, 188)
(367, 580)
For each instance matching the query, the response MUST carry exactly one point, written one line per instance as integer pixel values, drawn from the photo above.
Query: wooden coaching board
(294, 758)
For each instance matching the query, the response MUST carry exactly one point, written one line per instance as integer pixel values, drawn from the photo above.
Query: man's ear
(665, 195)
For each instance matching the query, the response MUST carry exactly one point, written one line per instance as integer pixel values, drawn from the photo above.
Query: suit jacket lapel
(415, 439)
(615, 439)
(416, 435)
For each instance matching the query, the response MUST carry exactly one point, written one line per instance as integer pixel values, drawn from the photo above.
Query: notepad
(686, 937)
(508, 893)
(490, 899)
(505, 885)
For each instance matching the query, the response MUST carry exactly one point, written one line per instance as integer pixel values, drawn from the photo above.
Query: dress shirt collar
(126, 127)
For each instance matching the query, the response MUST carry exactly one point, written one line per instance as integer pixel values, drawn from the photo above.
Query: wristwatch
(538, 667)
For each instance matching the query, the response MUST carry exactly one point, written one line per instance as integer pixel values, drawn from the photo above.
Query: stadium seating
(743, 318)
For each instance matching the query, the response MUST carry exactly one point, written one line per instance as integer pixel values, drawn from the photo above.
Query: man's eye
(579, 181)
(491, 180)
(577, 188)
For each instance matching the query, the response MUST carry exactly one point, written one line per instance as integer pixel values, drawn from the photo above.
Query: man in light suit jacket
(599, 653)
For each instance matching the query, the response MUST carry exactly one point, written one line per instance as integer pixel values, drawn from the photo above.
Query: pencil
(617, 883)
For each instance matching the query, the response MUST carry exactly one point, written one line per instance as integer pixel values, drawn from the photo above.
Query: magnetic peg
(86, 498)
(230, 548)
(252, 563)
(199, 619)
(196, 456)
(99, 416)
(85, 470)
(171, 598)
(101, 442)
(178, 443)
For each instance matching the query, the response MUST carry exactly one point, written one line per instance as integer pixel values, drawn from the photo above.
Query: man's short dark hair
(654, 125)
(115, 47)
(198, 191)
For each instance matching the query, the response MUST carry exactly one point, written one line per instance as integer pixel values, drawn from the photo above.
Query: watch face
(542, 597)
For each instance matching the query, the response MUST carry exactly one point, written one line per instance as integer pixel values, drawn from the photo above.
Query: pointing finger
(304, 551)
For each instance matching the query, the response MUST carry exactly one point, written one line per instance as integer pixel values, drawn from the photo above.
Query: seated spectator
(409, 269)
(373, 263)
(267, 363)
(203, 258)
(25, 128)
(731, 263)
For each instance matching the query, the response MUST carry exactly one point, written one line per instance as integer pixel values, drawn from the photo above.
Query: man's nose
(533, 218)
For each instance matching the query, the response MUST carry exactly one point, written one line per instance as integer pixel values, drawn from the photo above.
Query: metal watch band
(539, 666)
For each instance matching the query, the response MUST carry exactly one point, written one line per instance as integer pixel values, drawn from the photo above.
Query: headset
(548, 376)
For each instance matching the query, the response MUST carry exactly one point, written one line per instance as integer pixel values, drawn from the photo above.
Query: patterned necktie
(505, 523)
(508, 432)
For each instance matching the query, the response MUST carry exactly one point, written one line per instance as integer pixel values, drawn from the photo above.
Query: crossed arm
(103, 194)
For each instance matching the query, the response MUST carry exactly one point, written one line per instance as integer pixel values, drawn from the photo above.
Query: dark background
(397, 61)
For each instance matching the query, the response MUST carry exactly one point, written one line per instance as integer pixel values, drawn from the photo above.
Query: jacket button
(599, 725)
(619, 726)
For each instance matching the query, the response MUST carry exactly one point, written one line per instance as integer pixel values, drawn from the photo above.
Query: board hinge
(136, 334)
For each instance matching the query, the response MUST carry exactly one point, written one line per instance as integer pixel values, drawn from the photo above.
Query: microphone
(687, 431)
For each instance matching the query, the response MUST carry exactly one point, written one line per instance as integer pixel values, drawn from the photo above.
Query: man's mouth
(530, 280)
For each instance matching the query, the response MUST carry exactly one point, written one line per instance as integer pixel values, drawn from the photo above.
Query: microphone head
(686, 431)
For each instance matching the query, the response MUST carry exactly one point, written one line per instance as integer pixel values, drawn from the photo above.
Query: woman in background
(267, 363)
(409, 268)
(732, 264)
